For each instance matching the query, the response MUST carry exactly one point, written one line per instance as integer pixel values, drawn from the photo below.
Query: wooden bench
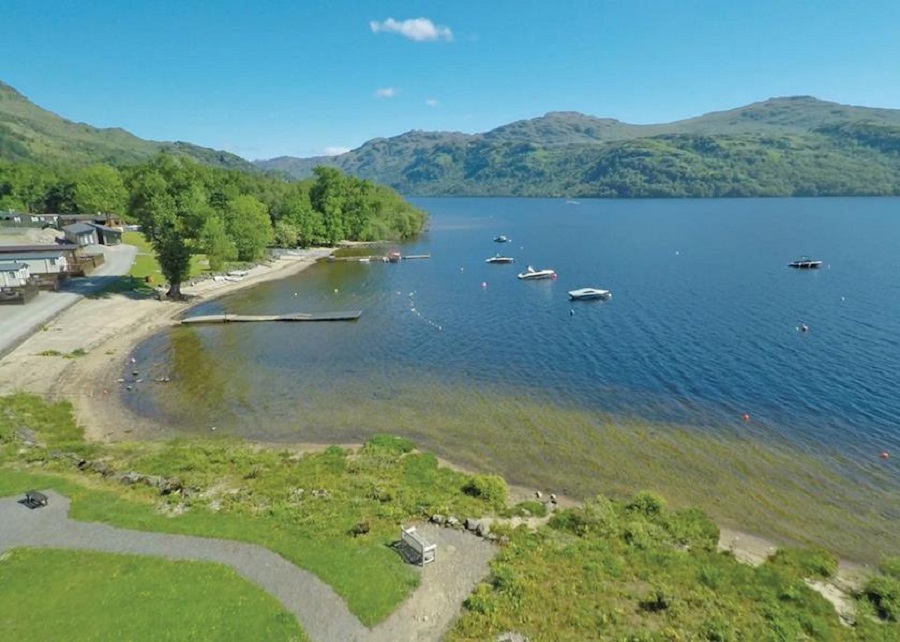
(35, 499)
(423, 549)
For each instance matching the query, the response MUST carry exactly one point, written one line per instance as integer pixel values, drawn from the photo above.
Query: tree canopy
(185, 208)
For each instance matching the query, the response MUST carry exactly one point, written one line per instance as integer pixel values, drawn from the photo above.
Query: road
(18, 322)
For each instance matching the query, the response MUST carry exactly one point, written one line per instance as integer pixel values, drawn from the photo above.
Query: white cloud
(432, 102)
(335, 150)
(418, 29)
(385, 92)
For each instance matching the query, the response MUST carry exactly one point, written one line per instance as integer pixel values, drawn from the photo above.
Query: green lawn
(145, 265)
(51, 594)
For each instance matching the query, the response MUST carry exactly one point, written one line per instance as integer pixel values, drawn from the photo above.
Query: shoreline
(108, 329)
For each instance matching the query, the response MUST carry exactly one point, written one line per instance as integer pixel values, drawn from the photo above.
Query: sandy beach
(108, 329)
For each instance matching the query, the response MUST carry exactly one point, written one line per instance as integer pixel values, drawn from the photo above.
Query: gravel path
(462, 560)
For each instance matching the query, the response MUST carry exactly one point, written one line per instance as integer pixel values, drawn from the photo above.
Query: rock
(452, 522)
(169, 485)
(99, 467)
(538, 494)
(552, 498)
(360, 529)
(26, 436)
(482, 529)
(526, 512)
(504, 540)
(437, 519)
(471, 524)
(491, 537)
(129, 478)
(511, 636)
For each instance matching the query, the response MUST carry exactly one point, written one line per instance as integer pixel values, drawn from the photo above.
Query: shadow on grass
(102, 287)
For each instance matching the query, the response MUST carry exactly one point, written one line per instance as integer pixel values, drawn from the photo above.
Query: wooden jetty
(351, 315)
(377, 258)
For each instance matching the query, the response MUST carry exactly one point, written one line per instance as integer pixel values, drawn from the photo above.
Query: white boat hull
(587, 294)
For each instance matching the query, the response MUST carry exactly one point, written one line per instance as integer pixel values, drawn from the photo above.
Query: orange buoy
(884, 454)
(745, 417)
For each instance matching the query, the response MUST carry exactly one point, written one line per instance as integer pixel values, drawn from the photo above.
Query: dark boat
(501, 239)
(805, 263)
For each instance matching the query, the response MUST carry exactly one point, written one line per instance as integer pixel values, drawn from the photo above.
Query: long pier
(351, 315)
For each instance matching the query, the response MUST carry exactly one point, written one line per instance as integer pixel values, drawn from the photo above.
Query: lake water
(702, 328)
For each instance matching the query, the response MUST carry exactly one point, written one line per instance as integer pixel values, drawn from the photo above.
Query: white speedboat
(501, 239)
(531, 274)
(500, 259)
(586, 294)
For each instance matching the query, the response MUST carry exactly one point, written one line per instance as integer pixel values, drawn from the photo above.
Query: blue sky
(300, 77)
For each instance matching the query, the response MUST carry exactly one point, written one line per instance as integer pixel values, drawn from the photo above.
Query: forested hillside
(797, 146)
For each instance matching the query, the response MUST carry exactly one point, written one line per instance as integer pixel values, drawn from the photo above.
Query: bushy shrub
(481, 600)
(391, 444)
(490, 488)
(884, 594)
(599, 516)
(805, 562)
(890, 566)
(647, 503)
(692, 528)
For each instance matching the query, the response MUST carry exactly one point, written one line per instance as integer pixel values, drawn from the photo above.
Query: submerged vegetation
(631, 570)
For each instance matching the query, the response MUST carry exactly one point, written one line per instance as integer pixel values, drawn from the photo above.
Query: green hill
(795, 146)
(30, 133)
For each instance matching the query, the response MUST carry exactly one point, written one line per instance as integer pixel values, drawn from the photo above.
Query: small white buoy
(335, 290)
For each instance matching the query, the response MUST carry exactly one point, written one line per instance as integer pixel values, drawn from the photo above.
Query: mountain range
(790, 146)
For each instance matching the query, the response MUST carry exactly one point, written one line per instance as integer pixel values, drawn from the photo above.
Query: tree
(216, 243)
(100, 188)
(286, 234)
(168, 199)
(249, 226)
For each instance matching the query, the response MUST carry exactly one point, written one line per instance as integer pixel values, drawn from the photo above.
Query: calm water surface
(702, 326)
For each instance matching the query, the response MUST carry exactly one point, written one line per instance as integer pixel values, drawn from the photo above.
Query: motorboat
(586, 294)
(531, 274)
(393, 256)
(500, 259)
(501, 239)
(805, 263)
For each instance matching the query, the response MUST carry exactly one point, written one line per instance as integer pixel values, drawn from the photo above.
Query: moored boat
(586, 294)
(805, 263)
(500, 259)
(530, 274)
(501, 239)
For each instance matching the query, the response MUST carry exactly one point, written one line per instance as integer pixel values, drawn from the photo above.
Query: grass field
(145, 265)
(83, 596)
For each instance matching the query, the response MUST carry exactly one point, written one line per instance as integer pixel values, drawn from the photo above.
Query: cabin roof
(78, 228)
